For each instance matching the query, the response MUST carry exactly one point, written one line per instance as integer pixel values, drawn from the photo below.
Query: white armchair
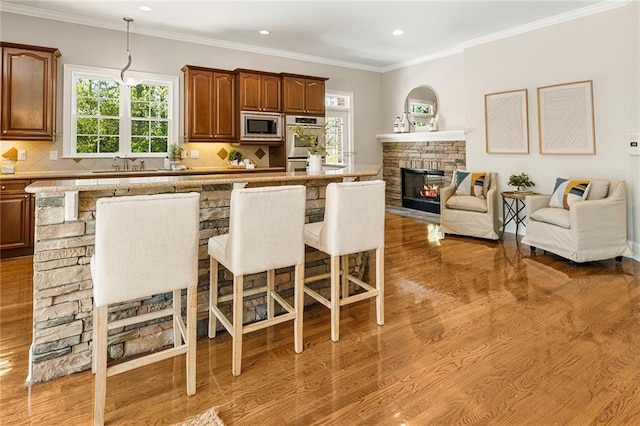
(469, 214)
(592, 229)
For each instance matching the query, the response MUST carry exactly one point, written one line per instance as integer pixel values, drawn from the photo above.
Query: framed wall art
(506, 122)
(565, 119)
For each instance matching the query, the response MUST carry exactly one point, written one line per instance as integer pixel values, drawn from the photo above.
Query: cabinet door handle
(26, 196)
(4, 187)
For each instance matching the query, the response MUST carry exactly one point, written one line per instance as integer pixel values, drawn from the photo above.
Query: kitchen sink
(124, 171)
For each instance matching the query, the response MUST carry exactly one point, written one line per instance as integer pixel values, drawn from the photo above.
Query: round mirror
(421, 104)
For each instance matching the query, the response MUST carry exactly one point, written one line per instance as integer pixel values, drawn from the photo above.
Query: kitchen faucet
(125, 163)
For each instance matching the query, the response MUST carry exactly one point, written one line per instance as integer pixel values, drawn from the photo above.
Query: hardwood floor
(475, 332)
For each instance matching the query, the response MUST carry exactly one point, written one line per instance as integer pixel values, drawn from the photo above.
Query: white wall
(568, 52)
(85, 45)
(444, 75)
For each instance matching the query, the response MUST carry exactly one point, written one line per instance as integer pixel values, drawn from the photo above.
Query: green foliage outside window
(98, 122)
(98, 117)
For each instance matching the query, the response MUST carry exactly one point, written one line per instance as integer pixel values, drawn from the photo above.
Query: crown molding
(148, 31)
(422, 59)
(547, 22)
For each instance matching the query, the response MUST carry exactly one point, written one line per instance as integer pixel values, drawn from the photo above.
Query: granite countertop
(102, 181)
(94, 174)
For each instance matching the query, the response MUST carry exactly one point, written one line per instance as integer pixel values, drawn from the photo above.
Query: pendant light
(126, 67)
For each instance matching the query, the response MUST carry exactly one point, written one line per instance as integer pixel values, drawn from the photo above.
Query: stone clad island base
(64, 244)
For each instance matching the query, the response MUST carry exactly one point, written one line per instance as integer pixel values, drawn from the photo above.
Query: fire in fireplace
(421, 189)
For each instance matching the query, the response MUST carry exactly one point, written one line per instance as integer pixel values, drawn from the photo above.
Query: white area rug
(208, 418)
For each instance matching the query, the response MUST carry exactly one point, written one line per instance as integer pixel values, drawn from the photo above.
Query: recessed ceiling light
(145, 8)
(265, 32)
(398, 32)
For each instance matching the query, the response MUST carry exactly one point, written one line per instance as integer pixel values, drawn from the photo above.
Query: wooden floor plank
(476, 332)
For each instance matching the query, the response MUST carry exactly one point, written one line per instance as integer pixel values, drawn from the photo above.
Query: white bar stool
(353, 223)
(265, 233)
(145, 245)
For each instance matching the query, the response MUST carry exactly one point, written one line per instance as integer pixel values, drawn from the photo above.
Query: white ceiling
(351, 33)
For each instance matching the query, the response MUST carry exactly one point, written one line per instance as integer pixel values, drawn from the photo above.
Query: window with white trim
(339, 128)
(103, 117)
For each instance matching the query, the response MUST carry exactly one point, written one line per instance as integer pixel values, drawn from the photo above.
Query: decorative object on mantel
(433, 125)
(396, 125)
(506, 122)
(521, 182)
(404, 124)
(421, 105)
(565, 118)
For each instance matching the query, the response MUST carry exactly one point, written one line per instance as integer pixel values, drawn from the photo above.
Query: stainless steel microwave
(260, 126)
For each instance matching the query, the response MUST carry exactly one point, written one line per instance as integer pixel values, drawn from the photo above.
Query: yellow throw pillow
(470, 183)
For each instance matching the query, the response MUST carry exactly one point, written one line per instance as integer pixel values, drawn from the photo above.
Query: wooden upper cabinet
(259, 92)
(28, 92)
(224, 123)
(199, 105)
(314, 96)
(210, 109)
(303, 95)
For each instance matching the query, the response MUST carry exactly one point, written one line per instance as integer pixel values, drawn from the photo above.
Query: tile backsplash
(38, 156)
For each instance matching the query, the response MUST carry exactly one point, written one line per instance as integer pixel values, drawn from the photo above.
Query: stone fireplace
(425, 151)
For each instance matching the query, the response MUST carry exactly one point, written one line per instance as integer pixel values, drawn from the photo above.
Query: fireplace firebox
(421, 189)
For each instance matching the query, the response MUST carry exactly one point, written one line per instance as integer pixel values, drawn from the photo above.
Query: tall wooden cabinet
(16, 210)
(29, 75)
(210, 105)
(259, 91)
(303, 95)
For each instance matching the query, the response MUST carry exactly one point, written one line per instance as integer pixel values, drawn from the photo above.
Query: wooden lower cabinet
(16, 218)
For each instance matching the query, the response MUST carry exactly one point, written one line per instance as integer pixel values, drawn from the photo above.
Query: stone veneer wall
(432, 155)
(63, 290)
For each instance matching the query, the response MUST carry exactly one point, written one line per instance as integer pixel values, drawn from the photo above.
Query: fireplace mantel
(449, 135)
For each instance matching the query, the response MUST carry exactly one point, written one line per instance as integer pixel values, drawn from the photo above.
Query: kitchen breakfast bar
(64, 243)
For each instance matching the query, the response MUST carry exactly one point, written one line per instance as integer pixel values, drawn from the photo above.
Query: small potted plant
(175, 153)
(521, 182)
(234, 157)
(315, 146)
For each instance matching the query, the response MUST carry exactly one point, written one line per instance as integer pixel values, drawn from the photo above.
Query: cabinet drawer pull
(26, 196)
(4, 187)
